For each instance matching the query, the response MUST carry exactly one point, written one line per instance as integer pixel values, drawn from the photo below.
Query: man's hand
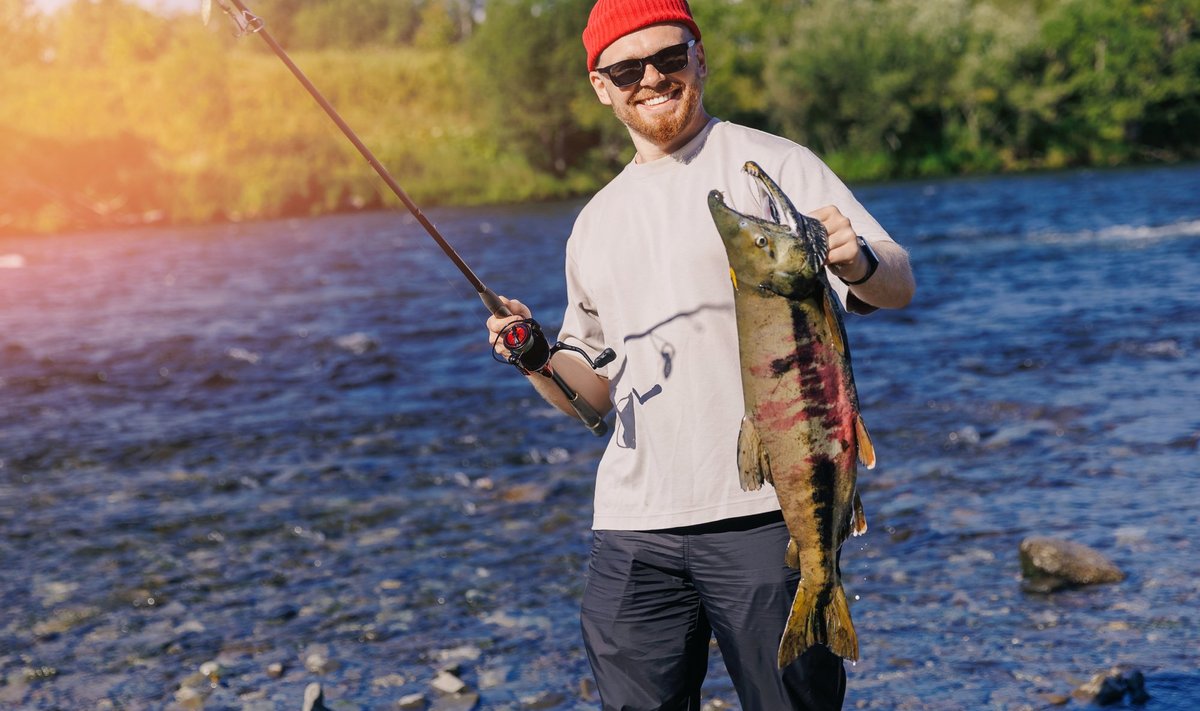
(495, 324)
(845, 258)
(890, 287)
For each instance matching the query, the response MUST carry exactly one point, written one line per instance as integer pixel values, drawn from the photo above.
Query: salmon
(802, 431)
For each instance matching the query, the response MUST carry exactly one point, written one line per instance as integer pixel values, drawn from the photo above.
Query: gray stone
(1110, 687)
(1050, 564)
(448, 683)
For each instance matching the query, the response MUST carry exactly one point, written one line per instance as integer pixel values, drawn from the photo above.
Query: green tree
(1121, 72)
(332, 23)
(530, 74)
(863, 82)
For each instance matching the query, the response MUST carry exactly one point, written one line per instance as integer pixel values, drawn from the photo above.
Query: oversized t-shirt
(647, 276)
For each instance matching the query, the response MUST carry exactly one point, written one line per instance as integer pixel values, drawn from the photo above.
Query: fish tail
(811, 623)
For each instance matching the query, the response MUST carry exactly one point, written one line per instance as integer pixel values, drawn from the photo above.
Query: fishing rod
(528, 348)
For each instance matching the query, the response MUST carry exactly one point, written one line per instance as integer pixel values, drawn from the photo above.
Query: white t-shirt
(648, 277)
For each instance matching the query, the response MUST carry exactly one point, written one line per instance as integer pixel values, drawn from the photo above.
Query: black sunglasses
(666, 61)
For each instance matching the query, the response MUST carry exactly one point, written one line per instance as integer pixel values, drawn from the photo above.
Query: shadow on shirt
(626, 407)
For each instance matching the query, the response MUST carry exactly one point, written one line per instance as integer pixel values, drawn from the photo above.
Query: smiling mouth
(660, 99)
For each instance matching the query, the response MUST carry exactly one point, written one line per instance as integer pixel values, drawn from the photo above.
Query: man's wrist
(864, 249)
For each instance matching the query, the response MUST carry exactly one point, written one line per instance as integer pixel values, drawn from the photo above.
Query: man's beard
(661, 130)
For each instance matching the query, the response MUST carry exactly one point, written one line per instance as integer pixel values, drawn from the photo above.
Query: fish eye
(760, 241)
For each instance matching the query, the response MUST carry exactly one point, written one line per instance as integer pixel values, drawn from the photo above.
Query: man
(680, 552)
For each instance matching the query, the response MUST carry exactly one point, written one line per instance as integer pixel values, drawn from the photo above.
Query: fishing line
(523, 341)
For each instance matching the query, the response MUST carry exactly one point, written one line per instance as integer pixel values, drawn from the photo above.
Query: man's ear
(598, 86)
(701, 65)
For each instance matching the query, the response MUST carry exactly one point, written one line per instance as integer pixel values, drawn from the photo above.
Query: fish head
(784, 257)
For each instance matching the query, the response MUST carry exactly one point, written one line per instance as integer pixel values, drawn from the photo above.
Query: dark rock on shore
(1110, 687)
(1050, 564)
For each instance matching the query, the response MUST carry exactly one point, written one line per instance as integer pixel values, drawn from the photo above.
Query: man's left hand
(845, 258)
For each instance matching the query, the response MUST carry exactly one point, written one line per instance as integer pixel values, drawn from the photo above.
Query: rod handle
(591, 419)
(493, 303)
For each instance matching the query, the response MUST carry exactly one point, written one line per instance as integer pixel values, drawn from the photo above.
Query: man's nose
(652, 76)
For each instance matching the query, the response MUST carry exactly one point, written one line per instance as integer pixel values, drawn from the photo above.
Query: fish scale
(802, 432)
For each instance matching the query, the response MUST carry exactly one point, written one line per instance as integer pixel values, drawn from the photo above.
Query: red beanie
(612, 19)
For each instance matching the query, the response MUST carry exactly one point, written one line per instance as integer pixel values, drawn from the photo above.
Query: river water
(283, 447)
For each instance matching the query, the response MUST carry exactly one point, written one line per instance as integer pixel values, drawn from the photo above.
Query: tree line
(112, 114)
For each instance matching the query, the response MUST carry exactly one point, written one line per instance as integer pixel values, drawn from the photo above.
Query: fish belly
(800, 421)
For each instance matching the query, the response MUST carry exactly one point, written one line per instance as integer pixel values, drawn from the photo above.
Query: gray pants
(654, 598)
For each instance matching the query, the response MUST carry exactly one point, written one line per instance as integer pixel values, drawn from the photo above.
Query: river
(283, 447)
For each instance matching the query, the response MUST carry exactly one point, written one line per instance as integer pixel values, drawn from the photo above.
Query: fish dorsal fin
(866, 449)
(754, 467)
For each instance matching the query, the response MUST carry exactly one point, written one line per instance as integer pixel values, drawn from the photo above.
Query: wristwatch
(872, 261)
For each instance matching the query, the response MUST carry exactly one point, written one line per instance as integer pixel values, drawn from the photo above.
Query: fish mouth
(807, 229)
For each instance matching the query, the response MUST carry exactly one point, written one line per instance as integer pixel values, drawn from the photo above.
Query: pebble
(412, 702)
(465, 701)
(317, 661)
(389, 680)
(543, 700)
(212, 671)
(448, 683)
(314, 698)
(464, 653)
(275, 670)
(1050, 564)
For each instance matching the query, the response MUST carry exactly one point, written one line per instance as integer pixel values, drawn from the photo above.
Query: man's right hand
(496, 324)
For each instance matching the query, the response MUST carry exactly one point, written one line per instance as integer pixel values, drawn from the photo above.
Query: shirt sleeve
(581, 321)
(819, 186)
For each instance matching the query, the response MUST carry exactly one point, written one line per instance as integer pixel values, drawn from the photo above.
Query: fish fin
(866, 449)
(859, 521)
(791, 557)
(754, 467)
(733, 277)
(835, 328)
(807, 625)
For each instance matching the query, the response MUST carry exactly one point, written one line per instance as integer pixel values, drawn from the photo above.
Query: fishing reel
(530, 352)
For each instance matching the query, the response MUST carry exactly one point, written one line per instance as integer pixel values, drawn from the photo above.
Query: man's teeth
(656, 100)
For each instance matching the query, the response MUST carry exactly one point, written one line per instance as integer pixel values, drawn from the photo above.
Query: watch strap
(872, 262)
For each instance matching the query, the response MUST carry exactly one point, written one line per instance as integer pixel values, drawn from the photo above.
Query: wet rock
(189, 698)
(317, 660)
(448, 683)
(1050, 564)
(494, 677)
(465, 701)
(543, 700)
(412, 702)
(587, 689)
(453, 693)
(465, 653)
(42, 673)
(212, 671)
(314, 698)
(1110, 687)
(389, 681)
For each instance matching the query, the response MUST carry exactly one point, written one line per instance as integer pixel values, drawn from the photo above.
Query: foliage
(113, 114)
